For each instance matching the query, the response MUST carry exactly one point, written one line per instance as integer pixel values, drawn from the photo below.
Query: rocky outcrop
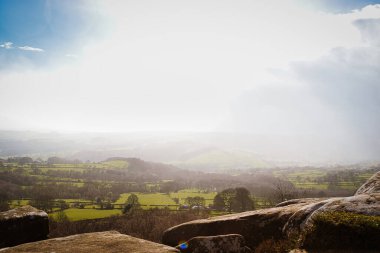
(100, 242)
(21, 225)
(333, 251)
(222, 243)
(371, 186)
(315, 224)
(351, 222)
(254, 226)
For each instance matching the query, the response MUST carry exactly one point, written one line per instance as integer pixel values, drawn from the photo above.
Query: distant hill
(138, 165)
(196, 151)
(219, 159)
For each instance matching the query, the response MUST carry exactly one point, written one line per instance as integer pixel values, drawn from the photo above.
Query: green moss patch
(343, 230)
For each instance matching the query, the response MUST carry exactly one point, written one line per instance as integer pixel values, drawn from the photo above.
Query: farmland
(97, 190)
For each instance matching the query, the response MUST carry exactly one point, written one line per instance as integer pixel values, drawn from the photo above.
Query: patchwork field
(183, 194)
(111, 182)
(75, 214)
(151, 200)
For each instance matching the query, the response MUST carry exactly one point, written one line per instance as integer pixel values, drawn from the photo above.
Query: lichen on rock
(99, 242)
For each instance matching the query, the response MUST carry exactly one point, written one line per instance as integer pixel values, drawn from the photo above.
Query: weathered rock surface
(332, 251)
(371, 186)
(100, 242)
(254, 226)
(295, 220)
(347, 222)
(21, 225)
(232, 243)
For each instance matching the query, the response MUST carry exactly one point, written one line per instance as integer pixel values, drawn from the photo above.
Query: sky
(293, 68)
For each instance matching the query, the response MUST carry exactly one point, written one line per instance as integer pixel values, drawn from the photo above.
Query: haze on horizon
(306, 72)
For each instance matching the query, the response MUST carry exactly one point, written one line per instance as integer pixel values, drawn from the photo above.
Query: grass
(183, 194)
(75, 214)
(313, 179)
(150, 200)
(116, 164)
(76, 200)
(16, 203)
(311, 185)
(63, 168)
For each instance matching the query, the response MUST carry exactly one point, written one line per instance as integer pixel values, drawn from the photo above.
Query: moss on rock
(343, 230)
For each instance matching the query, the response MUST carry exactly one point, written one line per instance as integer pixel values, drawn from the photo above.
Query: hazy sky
(267, 67)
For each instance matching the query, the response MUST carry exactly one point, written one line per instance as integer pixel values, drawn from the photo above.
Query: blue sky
(339, 6)
(45, 29)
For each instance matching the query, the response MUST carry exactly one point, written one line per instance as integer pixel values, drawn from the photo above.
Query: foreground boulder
(254, 226)
(223, 243)
(371, 186)
(333, 251)
(345, 223)
(100, 242)
(21, 225)
(337, 223)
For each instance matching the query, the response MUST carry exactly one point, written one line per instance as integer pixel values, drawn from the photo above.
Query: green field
(76, 200)
(315, 179)
(311, 185)
(75, 214)
(183, 194)
(95, 176)
(16, 203)
(160, 200)
(150, 200)
(116, 164)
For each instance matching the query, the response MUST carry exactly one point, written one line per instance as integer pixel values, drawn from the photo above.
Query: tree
(169, 186)
(132, 203)
(243, 201)
(108, 205)
(228, 196)
(283, 190)
(61, 217)
(176, 200)
(42, 198)
(4, 202)
(62, 205)
(234, 200)
(195, 201)
(219, 202)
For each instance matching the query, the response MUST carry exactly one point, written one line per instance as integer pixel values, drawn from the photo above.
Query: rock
(347, 223)
(344, 223)
(298, 251)
(100, 242)
(298, 201)
(254, 226)
(21, 225)
(332, 251)
(302, 224)
(371, 186)
(232, 243)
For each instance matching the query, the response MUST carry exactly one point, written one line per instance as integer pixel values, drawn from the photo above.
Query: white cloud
(72, 56)
(370, 30)
(34, 49)
(333, 100)
(177, 65)
(7, 45)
